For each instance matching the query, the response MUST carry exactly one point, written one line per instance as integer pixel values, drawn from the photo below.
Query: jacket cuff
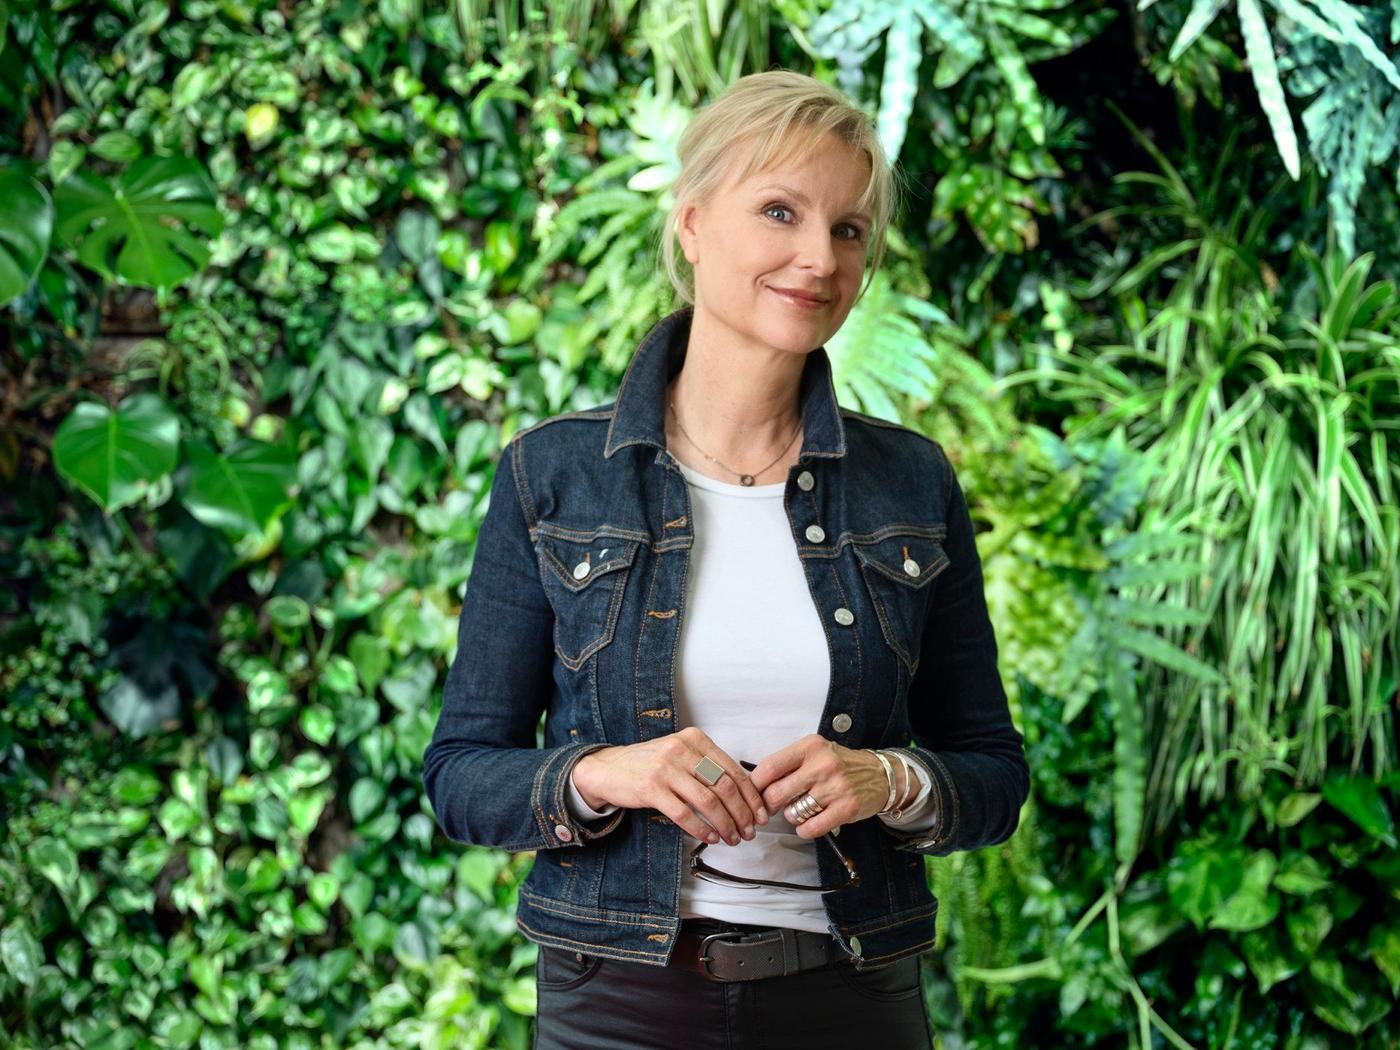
(938, 839)
(557, 824)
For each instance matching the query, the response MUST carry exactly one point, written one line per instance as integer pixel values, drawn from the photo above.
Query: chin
(798, 338)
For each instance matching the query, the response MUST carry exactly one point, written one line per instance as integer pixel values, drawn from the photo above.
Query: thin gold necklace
(744, 479)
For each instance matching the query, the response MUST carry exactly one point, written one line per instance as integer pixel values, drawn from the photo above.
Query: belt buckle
(704, 958)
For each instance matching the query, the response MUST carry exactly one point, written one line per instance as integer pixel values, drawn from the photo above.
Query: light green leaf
(21, 953)
(1202, 14)
(1260, 50)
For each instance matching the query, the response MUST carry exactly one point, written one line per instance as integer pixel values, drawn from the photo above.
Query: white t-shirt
(753, 673)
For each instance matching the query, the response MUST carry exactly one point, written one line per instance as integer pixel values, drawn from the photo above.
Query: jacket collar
(639, 413)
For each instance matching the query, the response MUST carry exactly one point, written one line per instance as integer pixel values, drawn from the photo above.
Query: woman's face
(793, 227)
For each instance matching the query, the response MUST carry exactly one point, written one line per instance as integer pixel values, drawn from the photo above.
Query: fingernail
(713, 838)
(762, 815)
(748, 833)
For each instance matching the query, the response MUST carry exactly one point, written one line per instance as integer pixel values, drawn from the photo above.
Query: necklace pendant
(745, 479)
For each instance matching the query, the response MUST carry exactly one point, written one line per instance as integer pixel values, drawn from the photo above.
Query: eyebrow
(802, 198)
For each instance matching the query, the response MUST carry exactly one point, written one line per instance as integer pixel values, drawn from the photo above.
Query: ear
(685, 231)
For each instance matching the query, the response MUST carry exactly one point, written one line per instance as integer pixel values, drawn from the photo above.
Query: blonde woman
(754, 621)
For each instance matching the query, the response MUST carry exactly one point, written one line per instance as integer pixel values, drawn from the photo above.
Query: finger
(735, 804)
(739, 797)
(837, 806)
(782, 793)
(683, 817)
(829, 819)
(818, 762)
(745, 802)
(775, 765)
(831, 793)
(754, 798)
(692, 746)
(693, 791)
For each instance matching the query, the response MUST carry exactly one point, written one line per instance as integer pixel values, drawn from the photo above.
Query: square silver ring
(708, 770)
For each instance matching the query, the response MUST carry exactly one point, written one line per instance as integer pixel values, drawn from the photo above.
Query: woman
(755, 624)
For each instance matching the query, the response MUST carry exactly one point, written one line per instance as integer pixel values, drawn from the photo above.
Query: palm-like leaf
(151, 227)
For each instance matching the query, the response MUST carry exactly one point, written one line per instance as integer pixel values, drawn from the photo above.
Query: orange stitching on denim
(551, 938)
(952, 790)
(917, 949)
(560, 908)
(911, 915)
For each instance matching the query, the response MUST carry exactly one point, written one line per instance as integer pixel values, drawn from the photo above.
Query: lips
(798, 293)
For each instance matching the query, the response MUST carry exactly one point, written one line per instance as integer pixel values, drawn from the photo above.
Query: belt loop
(791, 962)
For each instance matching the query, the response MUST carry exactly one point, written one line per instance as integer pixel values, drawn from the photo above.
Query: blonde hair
(764, 107)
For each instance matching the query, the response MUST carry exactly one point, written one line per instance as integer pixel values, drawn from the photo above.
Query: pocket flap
(911, 559)
(578, 562)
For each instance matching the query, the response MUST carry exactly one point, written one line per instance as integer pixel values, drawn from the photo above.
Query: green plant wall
(280, 279)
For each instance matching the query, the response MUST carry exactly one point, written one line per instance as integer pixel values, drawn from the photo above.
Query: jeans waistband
(703, 925)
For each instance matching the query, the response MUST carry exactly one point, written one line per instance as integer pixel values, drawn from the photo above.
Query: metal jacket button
(855, 945)
(581, 570)
(841, 722)
(805, 481)
(565, 835)
(844, 617)
(816, 533)
(911, 566)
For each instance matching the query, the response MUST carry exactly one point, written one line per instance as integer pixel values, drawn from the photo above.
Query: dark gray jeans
(592, 1003)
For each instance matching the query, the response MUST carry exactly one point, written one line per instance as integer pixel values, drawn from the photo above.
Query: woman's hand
(660, 774)
(849, 783)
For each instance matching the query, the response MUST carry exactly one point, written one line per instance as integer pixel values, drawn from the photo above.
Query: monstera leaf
(238, 491)
(151, 227)
(115, 456)
(24, 231)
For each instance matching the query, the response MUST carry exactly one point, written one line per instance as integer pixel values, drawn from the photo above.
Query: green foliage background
(281, 278)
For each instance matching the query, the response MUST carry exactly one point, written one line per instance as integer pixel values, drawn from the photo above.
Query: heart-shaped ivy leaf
(241, 490)
(115, 456)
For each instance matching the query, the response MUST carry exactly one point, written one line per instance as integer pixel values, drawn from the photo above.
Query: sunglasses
(701, 870)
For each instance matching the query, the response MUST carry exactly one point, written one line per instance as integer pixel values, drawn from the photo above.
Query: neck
(737, 401)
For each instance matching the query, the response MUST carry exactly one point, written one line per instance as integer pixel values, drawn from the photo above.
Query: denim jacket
(573, 611)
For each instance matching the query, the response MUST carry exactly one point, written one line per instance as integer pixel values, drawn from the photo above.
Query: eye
(857, 234)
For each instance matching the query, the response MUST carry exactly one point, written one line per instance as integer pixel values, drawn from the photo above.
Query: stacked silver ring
(805, 807)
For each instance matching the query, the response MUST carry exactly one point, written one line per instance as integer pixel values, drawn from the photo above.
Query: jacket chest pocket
(898, 564)
(584, 579)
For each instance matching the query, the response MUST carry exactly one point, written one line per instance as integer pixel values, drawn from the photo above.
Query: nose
(818, 253)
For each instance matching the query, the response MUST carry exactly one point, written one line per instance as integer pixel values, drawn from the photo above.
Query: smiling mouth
(798, 300)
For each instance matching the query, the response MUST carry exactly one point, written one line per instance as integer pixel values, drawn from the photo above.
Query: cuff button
(563, 833)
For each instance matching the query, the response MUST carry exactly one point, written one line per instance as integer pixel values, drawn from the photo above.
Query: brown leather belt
(753, 953)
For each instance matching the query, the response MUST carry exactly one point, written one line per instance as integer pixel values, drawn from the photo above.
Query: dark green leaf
(152, 227)
(115, 456)
(241, 490)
